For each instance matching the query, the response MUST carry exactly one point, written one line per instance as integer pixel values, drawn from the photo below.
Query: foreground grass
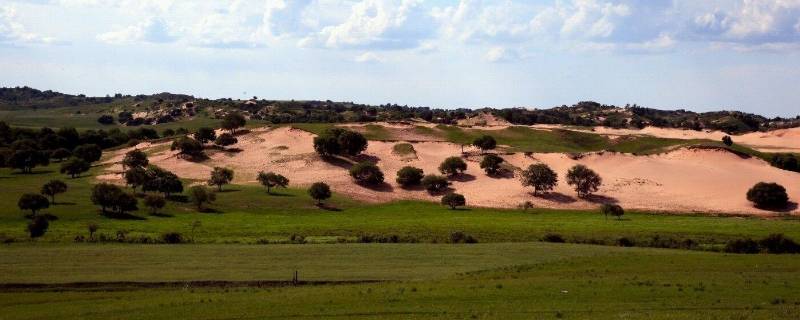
(435, 282)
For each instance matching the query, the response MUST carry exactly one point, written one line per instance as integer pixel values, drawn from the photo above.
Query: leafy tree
(786, 161)
(409, 176)
(105, 195)
(352, 143)
(233, 121)
(162, 181)
(60, 154)
(105, 119)
(226, 139)
(491, 163)
(454, 200)
(540, 177)
(52, 188)
(367, 173)
(768, 195)
(612, 209)
(220, 176)
(135, 177)
(154, 202)
(74, 167)
(727, 140)
(584, 180)
(340, 141)
(125, 202)
(271, 180)
(485, 142)
(168, 133)
(319, 191)
(200, 195)
(205, 134)
(181, 131)
(38, 226)
(26, 160)
(88, 152)
(326, 145)
(135, 159)
(452, 166)
(92, 228)
(188, 147)
(435, 183)
(33, 202)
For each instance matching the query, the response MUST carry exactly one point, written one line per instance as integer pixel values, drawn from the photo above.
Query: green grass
(504, 281)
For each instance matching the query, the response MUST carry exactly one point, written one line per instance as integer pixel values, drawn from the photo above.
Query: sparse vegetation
(454, 200)
(409, 176)
(540, 177)
(200, 196)
(220, 177)
(271, 180)
(452, 166)
(584, 180)
(491, 164)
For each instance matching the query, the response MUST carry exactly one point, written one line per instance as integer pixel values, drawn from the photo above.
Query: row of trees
(543, 179)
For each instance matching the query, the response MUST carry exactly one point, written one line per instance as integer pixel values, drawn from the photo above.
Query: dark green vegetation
(768, 195)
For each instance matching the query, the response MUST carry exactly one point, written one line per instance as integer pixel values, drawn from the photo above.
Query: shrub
(326, 145)
(52, 188)
(220, 176)
(612, 209)
(135, 177)
(200, 195)
(26, 160)
(786, 161)
(105, 195)
(768, 195)
(172, 238)
(727, 140)
(366, 173)
(340, 141)
(461, 237)
(105, 119)
(154, 202)
(135, 159)
(453, 200)
(319, 191)
(233, 121)
(625, 242)
(271, 180)
(540, 177)
(205, 134)
(33, 202)
(351, 142)
(778, 243)
(188, 147)
(225, 139)
(409, 176)
(60, 154)
(163, 181)
(452, 166)
(168, 133)
(38, 227)
(88, 152)
(74, 167)
(485, 142)
(435, 183)
(491, 163)
(553, 237)
(585, 180)
(741, 246)
(92, 228)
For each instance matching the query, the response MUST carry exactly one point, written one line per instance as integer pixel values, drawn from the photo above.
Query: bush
(778, 243)
(233, 121)
(135, 159)
(741, 246)
(727, 140)
(74, 167)
(786, 161)
(461, 237)
(33, 202)
(200, 195)
(768, 195)
(105, 119)
(585, 180)
(38, 227)
(88, 152)
(491, 163)
(205, 134)
(163, 181)
(453, 200)
(52, 188)
(172, 238)
(452, 166)
(225, 139)
(340, 141)
(188, 147)
(625, 242)
(319, 191)
(271, 180)
(366, 173)
(540, 177)
(435, 183)
(553, 237)
(485, 142)
(613, 210)
(409, 176)
(60, 154)
(154, 202)
(220, 176)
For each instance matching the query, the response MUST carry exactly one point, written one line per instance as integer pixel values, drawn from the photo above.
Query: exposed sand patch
(484, 119)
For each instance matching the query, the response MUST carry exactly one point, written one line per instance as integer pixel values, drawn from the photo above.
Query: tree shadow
(463, 177)
(277, 194)
(598, 198)
(178, 198)
(227, 190)
(789, 207)
(459, 209)
(328, 207)
(365, 157)
(417, 187)
(441, 192)
(556, 197)
(381, 187)
(209, 210)
(502, 174)
(162, 215)
(339, 162)
(33, 172)
(121, 216)
(63, 203)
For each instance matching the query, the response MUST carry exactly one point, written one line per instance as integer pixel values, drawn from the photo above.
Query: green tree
(163, 181)
(491, 163)
(220, 176)
(52, 188)
(200, 195)
(319, 191)
(454, 200)
(271, 180)
(38, 226)
(452, 166)
(727, 140)
(613, 210)
(105, 195)
(485, 142)
(88, 152)
(768, 195)
(74, 167)
(435, 183)
(409, 176)
(26, 160)
(205, 134)
(135, 159)
(33, 202)
(584, 180)
(60, 154)
(188, 147)
(155, 202)
(367, 173)
(352, 143)
(233, 121)
(540, 177)
(135, 177)
(225, 140)
(326, 145)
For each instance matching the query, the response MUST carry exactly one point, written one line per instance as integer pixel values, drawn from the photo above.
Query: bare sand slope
(685, 180)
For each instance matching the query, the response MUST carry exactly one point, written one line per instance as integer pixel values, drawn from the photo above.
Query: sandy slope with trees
(684, 180)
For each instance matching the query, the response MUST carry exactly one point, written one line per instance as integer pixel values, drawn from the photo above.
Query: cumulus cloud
(501, 54)
(153, 30)
(368, 57)
(12, 31)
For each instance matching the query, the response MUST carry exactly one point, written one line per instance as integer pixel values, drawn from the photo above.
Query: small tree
(727, 140)
(225, 140)
(271, 180)
(125, 202)
(453, 200)
(52, 188)
(352, 143)
(92, 228)
(74, 167)
(319, 191)
(155, 202)
(233, 121)
(33, 202)
(105, 195)
(584, 180)
(105, 119)
(60, 154)
(200, 195)
(366, 173)
(768, 195)
(135, 159)
(409, 176)
(162, 181)
(326, 145)
(540, 177)
(88, 152)
(188, 147)
(220, 176)
(135, 177)
(205, 134)
(491, 163)
(26, 160)
(613, 210)
(435, 183)
(485, 142)
(38, 226)
(452, 166)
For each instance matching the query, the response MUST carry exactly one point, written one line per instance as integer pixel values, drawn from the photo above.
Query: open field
(495, 281)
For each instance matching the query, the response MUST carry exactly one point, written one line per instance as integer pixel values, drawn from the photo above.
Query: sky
(669, 54)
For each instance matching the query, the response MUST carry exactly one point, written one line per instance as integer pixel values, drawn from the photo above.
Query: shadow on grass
(162, 215)
(227, 190)
(63, 203)
(328, 207)
(121, 216)
(209, 210)
(458, 209)
(789, 207)
(597, 198)
(277, 194)
(556, 197)
(33, 172)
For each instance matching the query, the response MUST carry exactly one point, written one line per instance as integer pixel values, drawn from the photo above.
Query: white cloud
(14, 32)
(661, 43)
(153, 30)
(367, 57)
(501, 54)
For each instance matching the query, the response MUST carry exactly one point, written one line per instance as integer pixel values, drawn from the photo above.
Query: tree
(105, 195)
(326, 145)
(33, 202)
(52, 188)
(768, 195)
(125, 202)
(352, 143)
(226, 139)
(200, 195)
(205, 134)
(26, 160)
(162, 181)
(168, 133)
(786, 161)
(367, 173)
(220, 176)
(452, 166)
(435, 183)
(491, 163)
(38, 226)
(727, 140)
(154, 202)
(233, 121)
(188, 147)
(319, 191)
(454, 200)
(60, 154)
(105, 119)
(88, 152)
(135, 177)
(135, 159)
(540, 177)
(74, 167)
(409, 176)
(271, 180)
(584, 180)
(485, 142)
(92, 228)
(612, 209)
(340, 141)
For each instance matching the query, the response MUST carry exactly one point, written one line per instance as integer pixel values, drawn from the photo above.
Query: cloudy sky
(700, 55)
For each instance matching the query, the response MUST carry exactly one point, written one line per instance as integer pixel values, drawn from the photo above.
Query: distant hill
(159, 108)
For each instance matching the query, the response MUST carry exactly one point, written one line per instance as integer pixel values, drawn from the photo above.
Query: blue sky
(698, 55)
